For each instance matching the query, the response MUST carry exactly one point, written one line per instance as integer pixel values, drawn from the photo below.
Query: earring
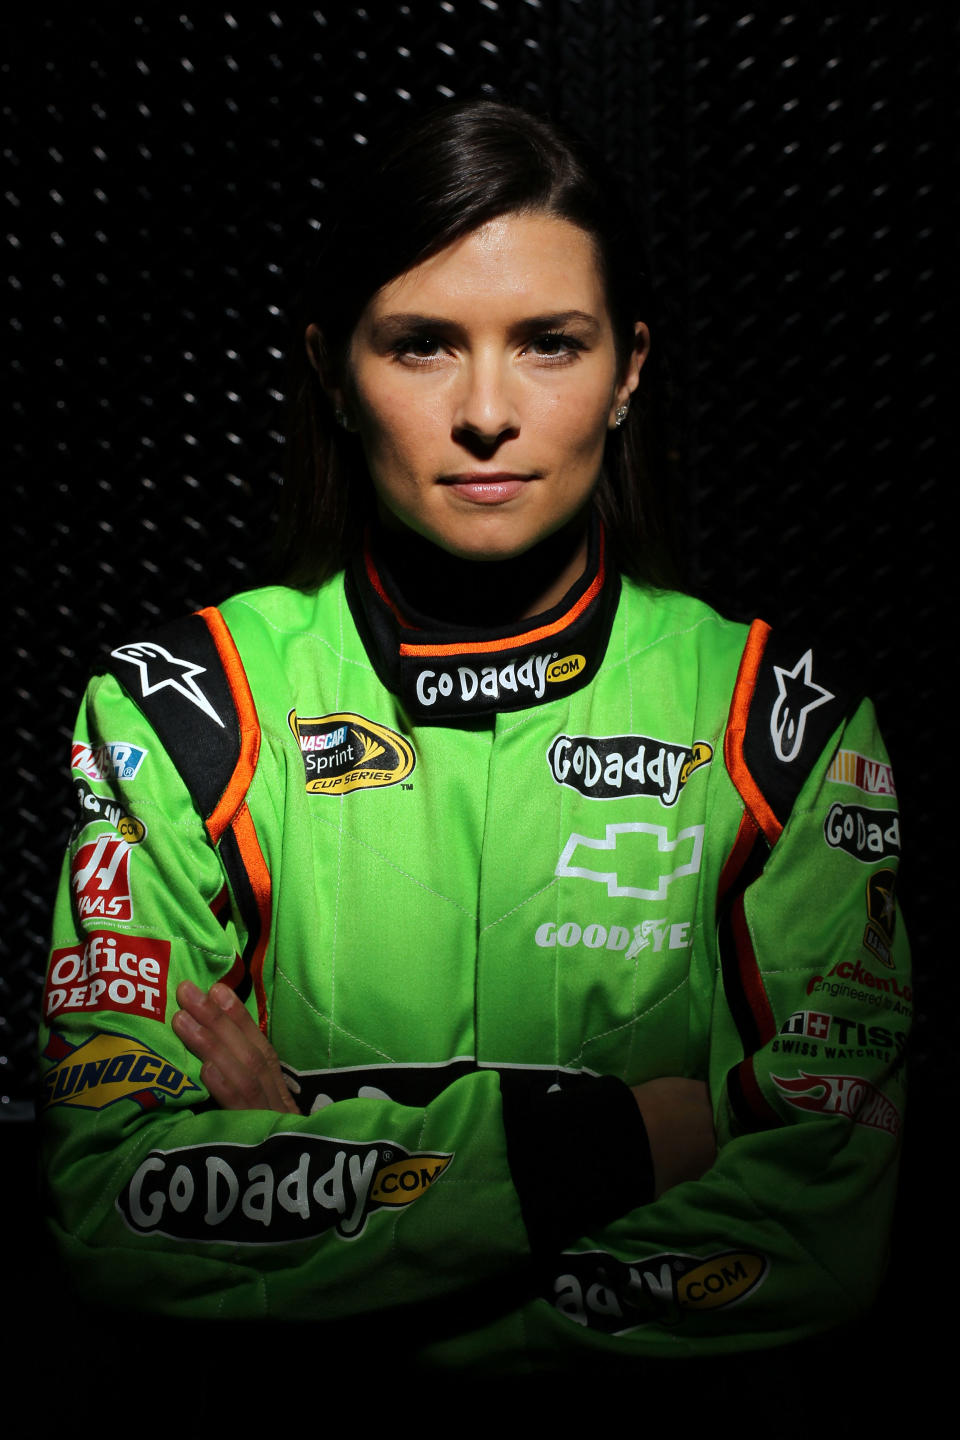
(341, 418)
(621, 415)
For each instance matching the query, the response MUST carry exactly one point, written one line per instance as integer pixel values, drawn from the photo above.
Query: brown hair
(449, 173)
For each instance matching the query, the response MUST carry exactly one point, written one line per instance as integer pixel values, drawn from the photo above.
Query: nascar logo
(345, 752)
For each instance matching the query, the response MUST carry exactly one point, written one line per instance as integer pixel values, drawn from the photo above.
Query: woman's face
(483, 383)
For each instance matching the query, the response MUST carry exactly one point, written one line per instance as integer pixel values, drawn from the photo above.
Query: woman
(552, 891)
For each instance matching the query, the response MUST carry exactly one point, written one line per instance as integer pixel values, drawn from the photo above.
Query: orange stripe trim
(259, 877)
(735, 861)
(239, 782)
(511, 642)
(377, 584)
(743, 692)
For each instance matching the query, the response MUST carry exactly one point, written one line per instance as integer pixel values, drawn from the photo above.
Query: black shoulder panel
(798, 702)
(177, 679)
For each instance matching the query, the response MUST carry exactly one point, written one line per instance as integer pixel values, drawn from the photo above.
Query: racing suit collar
(445, 673)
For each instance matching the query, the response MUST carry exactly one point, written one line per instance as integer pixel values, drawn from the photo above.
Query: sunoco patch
(108, 1068)
(345, 752)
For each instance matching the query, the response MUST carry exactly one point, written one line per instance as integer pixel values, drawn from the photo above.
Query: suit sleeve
(786, 1235)
(159, 1199)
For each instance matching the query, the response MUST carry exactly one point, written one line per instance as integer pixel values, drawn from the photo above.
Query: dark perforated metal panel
(165, 168)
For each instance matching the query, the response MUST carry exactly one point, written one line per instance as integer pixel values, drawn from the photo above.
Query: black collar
(444, 673)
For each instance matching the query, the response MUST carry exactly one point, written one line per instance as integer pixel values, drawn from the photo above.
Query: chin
(475, 548)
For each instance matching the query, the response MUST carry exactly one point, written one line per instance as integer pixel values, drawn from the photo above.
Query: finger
(251, 1047)
(248, 1083)
(220, 1012)
(241, 1068)
(236, 1089)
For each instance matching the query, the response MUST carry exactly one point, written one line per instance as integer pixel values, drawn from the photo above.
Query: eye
(556, 345)
(416, 349)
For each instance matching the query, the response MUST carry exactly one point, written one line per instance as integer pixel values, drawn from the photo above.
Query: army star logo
(158, 668)
(788, 719)
(887, 912)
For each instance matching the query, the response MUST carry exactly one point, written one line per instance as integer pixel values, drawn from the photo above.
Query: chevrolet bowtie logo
(640, 852)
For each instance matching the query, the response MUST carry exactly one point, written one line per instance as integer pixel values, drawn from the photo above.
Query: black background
(164, 175)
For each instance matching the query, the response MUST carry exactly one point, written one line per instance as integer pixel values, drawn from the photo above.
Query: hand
(240, 1066)
(679, 1120)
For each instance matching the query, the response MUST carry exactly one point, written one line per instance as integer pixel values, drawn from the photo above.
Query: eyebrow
(397, 324)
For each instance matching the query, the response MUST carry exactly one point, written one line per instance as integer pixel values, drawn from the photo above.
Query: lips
(487, 488)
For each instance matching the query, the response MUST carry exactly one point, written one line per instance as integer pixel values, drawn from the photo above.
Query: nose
(486, 411)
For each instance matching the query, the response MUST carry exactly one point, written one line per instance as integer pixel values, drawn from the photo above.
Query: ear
(631, 377)
(317, 355)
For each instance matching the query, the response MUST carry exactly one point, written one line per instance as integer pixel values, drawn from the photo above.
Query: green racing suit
(462, 880)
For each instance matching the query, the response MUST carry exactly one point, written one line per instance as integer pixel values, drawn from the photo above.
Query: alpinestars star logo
(788, 719)
(159, 669)
(643, 853)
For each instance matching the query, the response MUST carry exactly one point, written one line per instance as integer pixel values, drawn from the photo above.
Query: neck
(485, 593)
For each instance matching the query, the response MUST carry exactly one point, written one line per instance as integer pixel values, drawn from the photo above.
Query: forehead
(521, 260)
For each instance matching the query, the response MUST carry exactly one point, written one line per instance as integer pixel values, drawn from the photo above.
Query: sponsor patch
(813, 1023)
(612, 1296)
(346, 752)
(159, 670)
(882, 916)
(483, 686)
(565, 668)
(108, 1068)
(93, 807)
(874, 777)
(840, 1037)
(855, 1040)
(289, 1187)
(797, 695)
(641, 853)
(866, 834)
(847, 1095)
(100, 877)
(884, 990)
(124, 973)
(604, 767)
(114, 760)
(652, 935)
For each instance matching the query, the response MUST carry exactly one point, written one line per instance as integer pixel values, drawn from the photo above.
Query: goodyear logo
(289, 1187)
(108, 1068)
(566, 668)
(345, 752)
